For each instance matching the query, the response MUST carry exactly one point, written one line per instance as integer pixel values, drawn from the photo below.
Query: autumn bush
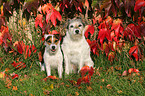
(115, 31)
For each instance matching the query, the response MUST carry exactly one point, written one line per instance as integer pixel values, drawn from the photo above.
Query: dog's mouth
(53, 50)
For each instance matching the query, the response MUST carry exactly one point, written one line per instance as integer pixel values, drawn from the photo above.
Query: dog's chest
(53, 60)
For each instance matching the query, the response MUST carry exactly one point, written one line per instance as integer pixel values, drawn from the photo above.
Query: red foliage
(94, 46)
(38, 20)
(26, 50)
(117, 27)
(136, 52)
(5, 37)
(66, 4)
(104, 33)
(87, 78)
(90, 29)
(139, 6)
(132, 31)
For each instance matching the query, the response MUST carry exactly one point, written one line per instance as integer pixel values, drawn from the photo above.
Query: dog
(75, 47)
(53, 57)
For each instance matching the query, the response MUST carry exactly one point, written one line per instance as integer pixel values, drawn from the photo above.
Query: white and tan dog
(75, 47)
(52, 55)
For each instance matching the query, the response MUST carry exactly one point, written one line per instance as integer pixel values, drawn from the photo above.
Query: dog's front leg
(48, 69)
(81, 64)
(66, 65)
(60, 70)
(42, 66)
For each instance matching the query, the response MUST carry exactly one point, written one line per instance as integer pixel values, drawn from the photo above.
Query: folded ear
(45, 36)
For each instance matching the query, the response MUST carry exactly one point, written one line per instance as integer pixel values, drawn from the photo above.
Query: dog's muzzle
(76, 31)
(53, 47)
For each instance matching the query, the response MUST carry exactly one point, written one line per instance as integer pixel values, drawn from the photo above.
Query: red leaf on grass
(50, 77)
(130, 70)
(135, 51)
(90, 29)
(19, 65)
(15, 76)
(84, 70)
(124, 73)
(136, 70)
(87, 78)
(104, 33)
(38, 21)
(53, 77)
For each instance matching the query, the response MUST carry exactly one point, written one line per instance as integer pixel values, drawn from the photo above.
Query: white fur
(76, 52)
(53, 60)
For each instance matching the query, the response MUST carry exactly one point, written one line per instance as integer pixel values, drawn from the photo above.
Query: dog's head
(75, 29)
(52, 43)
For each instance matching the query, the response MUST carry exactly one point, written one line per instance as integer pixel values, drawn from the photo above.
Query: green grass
(30, 81)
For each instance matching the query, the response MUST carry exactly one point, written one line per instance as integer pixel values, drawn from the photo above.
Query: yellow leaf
(2, 75)
(51, 86)
(14, 88)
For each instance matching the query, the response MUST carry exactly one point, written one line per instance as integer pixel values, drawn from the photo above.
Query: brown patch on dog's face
(52, 40)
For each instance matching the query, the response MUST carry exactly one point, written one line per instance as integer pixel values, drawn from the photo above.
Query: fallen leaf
(76, 94)
(67, 85)
(8, 82)
(118, 68)
(51, 86)
(119, 91)
(46, 92)
(130, 70)
(15, 76)
(101, 87)
(135, 70)
(89, 88)
(124, 73)
(109, 86)
(14, 88)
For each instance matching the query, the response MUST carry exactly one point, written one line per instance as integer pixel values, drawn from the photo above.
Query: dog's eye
(49, 41)
(55, 41)
(71, 26)
(80, 25)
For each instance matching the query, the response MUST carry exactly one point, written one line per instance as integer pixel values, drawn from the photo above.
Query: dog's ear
(67, 23)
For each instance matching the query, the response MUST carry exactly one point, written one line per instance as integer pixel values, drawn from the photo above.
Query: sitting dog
(75, 47)
(52, 55)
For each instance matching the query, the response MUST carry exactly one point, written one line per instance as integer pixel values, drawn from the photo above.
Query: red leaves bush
(85, 78)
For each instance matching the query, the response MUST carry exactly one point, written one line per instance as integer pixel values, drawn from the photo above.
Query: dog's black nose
(77, 31)
(53, 47)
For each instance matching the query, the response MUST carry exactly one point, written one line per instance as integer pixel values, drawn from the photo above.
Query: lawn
(119, 64)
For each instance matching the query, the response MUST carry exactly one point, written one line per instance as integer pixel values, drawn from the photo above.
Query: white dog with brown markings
(75, 47)
(53, 56)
